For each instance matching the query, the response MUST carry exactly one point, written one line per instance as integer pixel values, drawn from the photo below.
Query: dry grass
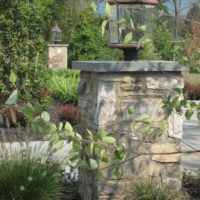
(192, 78)
(192, 85)
(146, 188)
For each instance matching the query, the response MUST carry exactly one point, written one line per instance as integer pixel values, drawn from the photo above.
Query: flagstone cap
(127, 66)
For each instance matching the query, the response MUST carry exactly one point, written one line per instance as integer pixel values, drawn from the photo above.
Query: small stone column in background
(57, 56)
(106, 91)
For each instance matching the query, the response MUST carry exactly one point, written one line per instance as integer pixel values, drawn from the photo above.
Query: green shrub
(143, 188)
(23, 177)
(63, 85)
(22, 44)
(32, 79)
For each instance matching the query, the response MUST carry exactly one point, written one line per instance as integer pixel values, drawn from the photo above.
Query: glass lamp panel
(149, 18)
(133, 17)
(113, 25)
(56, 36)
(127, 18)
(53, 35)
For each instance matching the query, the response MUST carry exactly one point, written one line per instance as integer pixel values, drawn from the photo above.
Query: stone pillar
(106, 91)
(57, 56)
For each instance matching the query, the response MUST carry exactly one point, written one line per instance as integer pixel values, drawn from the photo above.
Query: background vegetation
(25, 31)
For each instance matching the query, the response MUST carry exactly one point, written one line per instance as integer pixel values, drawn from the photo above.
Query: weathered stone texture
(57, 56)
(104, 99)
(163, 82)
(175, 128)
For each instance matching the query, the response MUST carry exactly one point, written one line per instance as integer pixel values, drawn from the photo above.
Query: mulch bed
(192, 187)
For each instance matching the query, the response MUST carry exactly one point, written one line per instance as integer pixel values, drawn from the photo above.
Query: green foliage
(12, 98)
(27, 82)
(162, 37)
(22, 42)
(194, 12)
(95, 147)
(149, 50)
(65, 13)
(63, 85)
(176, 40)
(24, 177)
(107, 10)
(87, 43)
(144, 188)
(179, 102)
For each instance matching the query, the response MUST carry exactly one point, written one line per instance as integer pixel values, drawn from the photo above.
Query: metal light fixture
(130, 16)
(56, 34)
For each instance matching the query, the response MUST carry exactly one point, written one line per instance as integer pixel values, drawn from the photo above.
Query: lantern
(56, 34)
(130, 21)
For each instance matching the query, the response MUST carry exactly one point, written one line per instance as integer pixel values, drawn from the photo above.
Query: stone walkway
(191, 136)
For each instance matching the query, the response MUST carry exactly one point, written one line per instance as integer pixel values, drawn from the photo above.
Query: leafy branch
(181, 105)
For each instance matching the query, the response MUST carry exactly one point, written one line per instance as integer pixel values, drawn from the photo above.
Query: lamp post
(56, 34)
(133, 19)
(57, 53)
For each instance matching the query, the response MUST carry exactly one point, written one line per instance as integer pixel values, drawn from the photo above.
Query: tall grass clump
(24, 177)
(145, 188)
(63, 85)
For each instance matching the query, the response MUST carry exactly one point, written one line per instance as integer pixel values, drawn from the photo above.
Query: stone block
(151, 107)
(163, 82)
(167, 158)
(175, 126)
(105, 111)
(149, 132)
(172, 183)
(163, 148)
(165, 153)
(110, 77)
(171, 170)
(57, 56)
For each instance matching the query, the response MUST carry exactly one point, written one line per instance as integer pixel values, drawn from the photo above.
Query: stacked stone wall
(104, 100)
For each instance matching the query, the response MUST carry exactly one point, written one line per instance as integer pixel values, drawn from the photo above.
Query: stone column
(57, 56)
(106, 91)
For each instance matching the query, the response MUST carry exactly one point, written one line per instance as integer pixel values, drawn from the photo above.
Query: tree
(162, 6)
(192, 47)
(194, 12)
